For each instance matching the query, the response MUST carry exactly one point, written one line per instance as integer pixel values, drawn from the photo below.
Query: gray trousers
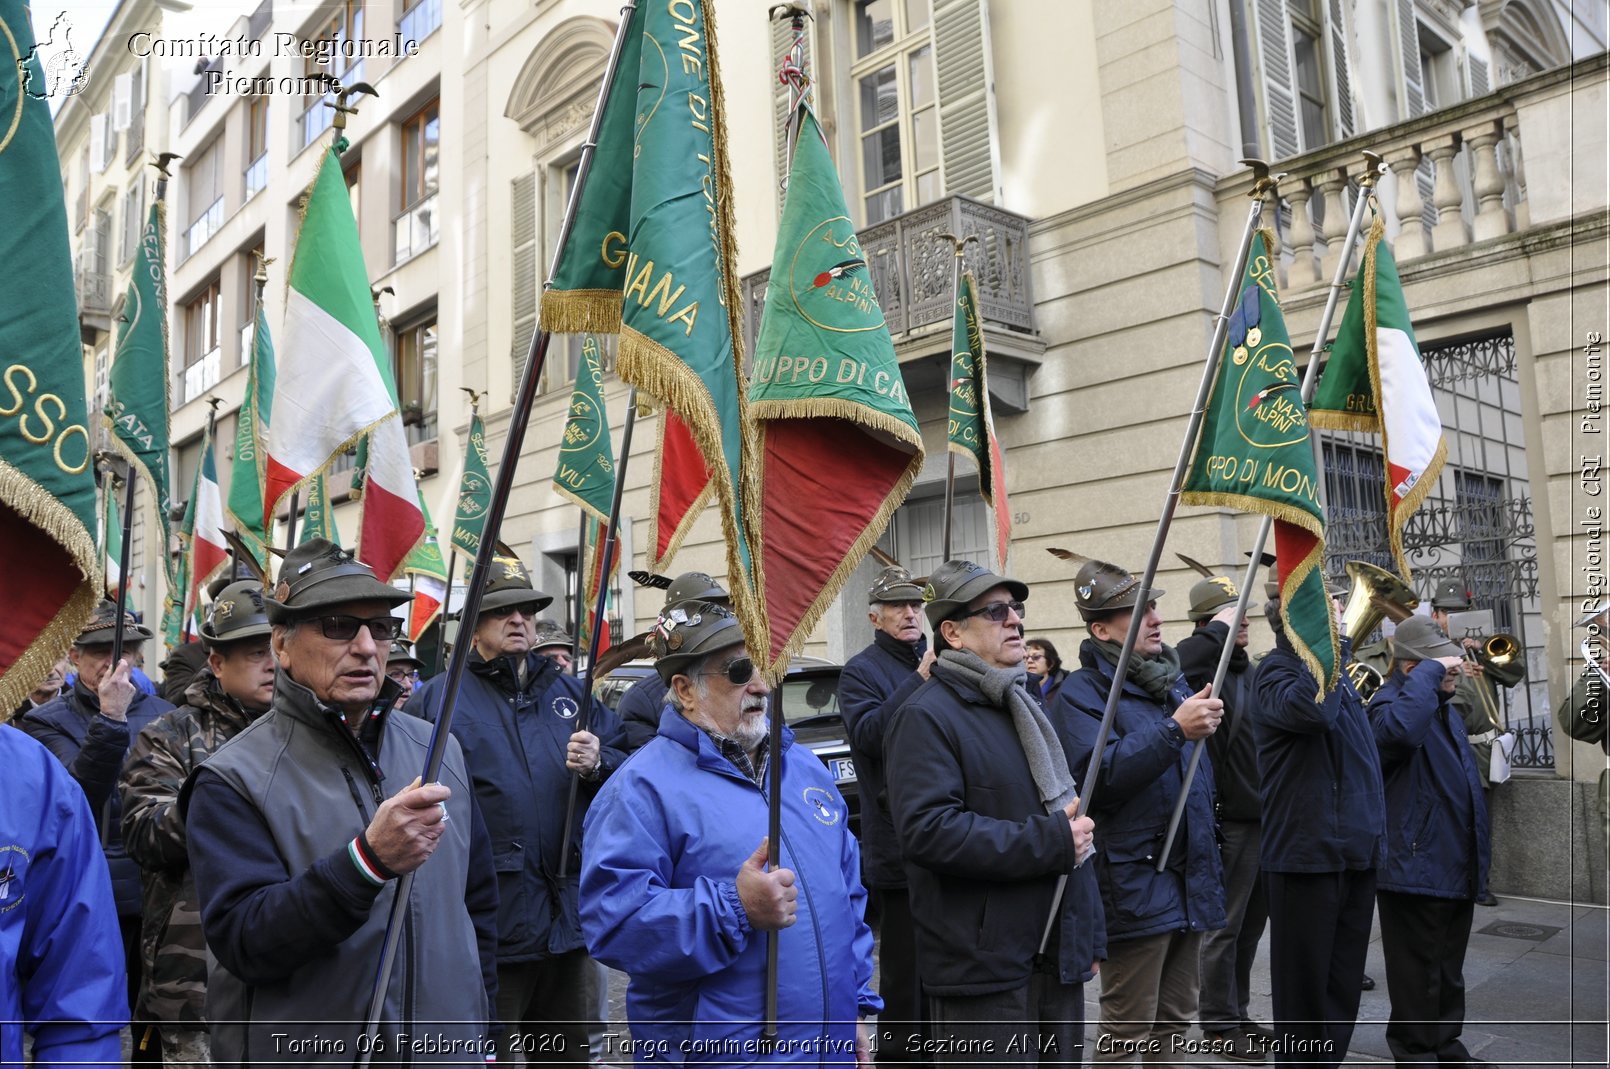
(1148, 998)
(1228, 952)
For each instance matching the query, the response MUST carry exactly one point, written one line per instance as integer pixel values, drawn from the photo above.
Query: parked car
(809, 699)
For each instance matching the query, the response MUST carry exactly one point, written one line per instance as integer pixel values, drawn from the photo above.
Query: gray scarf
(1004, 689)
(1155, 675)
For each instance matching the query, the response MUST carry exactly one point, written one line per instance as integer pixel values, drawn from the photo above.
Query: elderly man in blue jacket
(61, 957)
(516, 718)
(1437, 846)
(874, 684)
(1155, 919)
(1324, 836)
(984, 805)
(674, 888)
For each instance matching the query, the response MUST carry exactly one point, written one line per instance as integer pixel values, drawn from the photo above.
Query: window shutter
(137, 94)
(523, 232)
(966, 88)
(97, 143)
(1476, 75)
(1278, 82)
(122, 101)
(1414, 94)
(1341, 79)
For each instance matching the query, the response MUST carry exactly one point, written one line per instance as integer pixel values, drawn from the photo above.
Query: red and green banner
(48, 562)
(586, 469)
(839, 446)
(652, 255)
(427, 573)
(1254, 454)
(1375, 381)
(971, 426)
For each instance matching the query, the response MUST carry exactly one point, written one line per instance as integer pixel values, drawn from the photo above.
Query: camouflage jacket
(172, 947)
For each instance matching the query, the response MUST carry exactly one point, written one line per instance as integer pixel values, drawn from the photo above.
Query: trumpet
(1497, 653)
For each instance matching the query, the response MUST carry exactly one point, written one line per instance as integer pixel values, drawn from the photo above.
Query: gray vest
(289, 764)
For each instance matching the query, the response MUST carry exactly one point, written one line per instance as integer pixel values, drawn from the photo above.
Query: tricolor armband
(363, 856)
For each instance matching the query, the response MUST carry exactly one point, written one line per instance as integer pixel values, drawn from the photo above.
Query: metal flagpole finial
(1374, 169)
(797, 13)
(261, 277)
(1263, 183)
(213, 401)
(475, 398)
(161, 162)
(342, 108)
(957, 244)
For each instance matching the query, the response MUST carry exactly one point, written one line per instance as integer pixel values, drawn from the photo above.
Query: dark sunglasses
(738, 671)
(345, 628)
(503, 612)
(996, 612)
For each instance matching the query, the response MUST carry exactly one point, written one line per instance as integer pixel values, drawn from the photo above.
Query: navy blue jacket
(93, 748)
(665, 840)
(1142, 768)
(61, 956)
(1436, 816)
(872, 687)
(982, 855)
(514, 741)
(1323, 806)
(639, 710)
(1232, 747)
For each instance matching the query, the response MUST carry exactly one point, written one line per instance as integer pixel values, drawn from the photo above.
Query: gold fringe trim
(581, 311)
(837, 408)
(46, 512)
(777, 667)
(1242, 503)
(578, 500)
(1300, 575)
(1398, 518)
(1328, 419)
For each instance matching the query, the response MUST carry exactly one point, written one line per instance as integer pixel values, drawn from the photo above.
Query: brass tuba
(1376, 593)
(1499, 651)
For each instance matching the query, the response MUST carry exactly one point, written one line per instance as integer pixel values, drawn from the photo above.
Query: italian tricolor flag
(1376, 381)
(204, 529)
(334, 385)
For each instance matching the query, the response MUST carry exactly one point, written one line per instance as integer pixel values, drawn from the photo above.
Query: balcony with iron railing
(201, 231)
(202, 375)
(257, 176)
(910, 262)
(1457, 182)
(94, 289)
(421, 20)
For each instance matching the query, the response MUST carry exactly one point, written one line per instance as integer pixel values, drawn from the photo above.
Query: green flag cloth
(586, 470)
(474, 492)
(48, 563)
(138, 382)
(1254, 454)
(319, 519)
(971, 426)
(652, 252)
(1375, 381)
(246, 479)
(838, 444)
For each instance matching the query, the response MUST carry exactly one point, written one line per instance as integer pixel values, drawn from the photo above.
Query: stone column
(1449, 233)
(1301, 240)
(1412, 232)
(1336, 218)
(1517, 172)
(1491, 220)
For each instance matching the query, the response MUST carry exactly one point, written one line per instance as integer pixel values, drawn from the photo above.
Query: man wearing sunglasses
(675, 890)
(517, 716)
(299, 829)
(983, 802)
(1155, 920)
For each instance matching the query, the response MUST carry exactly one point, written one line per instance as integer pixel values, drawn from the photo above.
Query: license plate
(843, 768)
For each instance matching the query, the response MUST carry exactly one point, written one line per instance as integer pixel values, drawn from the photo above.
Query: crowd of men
(228, 868)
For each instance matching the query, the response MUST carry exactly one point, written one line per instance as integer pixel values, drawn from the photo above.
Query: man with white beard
(674, 886)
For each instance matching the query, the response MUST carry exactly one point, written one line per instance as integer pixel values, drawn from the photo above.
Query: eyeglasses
(739, 671)
(996, 612)
(504, 611)
(345, 628)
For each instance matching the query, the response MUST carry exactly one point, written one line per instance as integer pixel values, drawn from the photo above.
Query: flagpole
(611, 533)
(793, 76)
(447, 605)
(1263, 189)
(958, 245)
(581, 583)
(519, 419)
(290, 522)
(1366, 186)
